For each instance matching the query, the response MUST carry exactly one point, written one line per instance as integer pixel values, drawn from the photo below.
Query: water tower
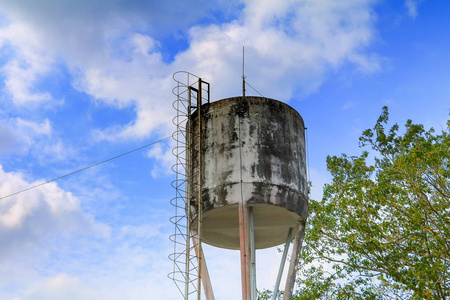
(241, 183)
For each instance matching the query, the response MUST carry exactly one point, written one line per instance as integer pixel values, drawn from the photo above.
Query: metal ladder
(191, 93)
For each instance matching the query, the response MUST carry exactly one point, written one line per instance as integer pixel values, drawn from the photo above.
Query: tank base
(271, 225)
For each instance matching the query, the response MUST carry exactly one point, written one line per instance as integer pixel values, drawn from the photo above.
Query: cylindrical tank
(253, 150)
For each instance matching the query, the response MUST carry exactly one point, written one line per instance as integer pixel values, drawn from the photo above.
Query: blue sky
(83, 81)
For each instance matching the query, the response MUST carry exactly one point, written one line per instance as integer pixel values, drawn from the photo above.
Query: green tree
(382, 229)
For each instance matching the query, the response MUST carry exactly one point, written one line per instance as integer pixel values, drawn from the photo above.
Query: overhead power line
(83, 169)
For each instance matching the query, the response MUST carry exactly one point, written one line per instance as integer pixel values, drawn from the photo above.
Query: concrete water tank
(253, 150)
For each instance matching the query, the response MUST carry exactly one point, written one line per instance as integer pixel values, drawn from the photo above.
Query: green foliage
(264, 295)
(382, 229)
(267, 295)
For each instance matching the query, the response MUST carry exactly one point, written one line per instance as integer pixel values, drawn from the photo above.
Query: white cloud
(37, 228)
(131, 263)
(164, 159)
(28, 133)
(51, 249)
(65, 287)
(290, 48)
(30, 218)
(43, 128)
(28, 64)
(61, 286)
(21, 136)
(7, 137)
(350, 105)
(412, 7)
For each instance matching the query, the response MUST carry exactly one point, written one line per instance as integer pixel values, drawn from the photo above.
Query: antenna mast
(243, 71)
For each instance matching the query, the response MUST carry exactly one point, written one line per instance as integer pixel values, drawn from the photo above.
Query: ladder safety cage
(191, 93)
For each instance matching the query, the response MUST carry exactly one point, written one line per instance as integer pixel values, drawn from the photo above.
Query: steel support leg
(283, 261)
(206, 280)
(292, 273)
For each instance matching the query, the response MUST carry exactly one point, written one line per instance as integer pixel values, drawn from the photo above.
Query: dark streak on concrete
(270, 128)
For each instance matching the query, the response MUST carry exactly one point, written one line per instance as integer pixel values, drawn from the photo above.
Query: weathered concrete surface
(253, 150)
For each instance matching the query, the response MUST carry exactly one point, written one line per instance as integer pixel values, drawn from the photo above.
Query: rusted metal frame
(293, 266)
(245, 250)
(206, 281)
(200, 185)
(283, 261)
(207, 89)
(191, 215)
(188, 200)
(244, 239)
(253, 255)
(203, 274)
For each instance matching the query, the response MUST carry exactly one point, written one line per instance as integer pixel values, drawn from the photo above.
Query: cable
(83, 169)
(254, 89)
(307, 163)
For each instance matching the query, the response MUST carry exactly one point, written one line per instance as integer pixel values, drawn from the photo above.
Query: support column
(252, 256)
(292, 273)
(244, 240)
(283, 261)
(206, 280)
